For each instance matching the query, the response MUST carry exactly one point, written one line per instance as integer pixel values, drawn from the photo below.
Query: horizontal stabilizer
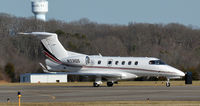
(38, 33)
(45, 69)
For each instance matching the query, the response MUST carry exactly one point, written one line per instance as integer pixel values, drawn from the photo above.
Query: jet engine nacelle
(76, 60)
(128, 76)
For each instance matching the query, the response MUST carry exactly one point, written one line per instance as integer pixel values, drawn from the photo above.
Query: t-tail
(53, 49)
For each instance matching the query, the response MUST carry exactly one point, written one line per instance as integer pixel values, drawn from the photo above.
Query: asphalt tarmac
(52, 93)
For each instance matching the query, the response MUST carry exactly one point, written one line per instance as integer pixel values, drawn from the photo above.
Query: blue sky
(186, 12)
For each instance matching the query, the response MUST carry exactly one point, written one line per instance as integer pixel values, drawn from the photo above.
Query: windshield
(156, 62)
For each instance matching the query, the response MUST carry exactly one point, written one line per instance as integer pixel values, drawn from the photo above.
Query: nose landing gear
(168, 83)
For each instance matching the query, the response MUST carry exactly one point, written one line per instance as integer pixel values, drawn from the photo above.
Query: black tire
(115, 82)
(109, 84)
(95, 84)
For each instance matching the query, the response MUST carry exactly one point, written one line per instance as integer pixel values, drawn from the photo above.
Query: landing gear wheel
(115, 82)
(95, 84)
(167, 84)
(109, 84)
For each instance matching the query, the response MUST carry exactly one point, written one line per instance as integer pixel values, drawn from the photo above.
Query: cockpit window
(156, 62)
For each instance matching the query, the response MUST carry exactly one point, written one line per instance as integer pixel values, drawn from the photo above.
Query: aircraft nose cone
(177, 71)
(182, 74)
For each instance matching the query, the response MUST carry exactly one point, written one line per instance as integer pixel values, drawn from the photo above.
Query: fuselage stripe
(51, 57)
(127, 69)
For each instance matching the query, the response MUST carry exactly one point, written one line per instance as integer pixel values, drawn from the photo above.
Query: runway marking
(47, 95)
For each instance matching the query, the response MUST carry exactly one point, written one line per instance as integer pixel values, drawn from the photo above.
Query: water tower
(40, 8)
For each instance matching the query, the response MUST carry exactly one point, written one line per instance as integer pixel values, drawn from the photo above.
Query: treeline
(176, 44)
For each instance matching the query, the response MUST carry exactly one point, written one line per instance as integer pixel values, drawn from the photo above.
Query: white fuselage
(128, 67)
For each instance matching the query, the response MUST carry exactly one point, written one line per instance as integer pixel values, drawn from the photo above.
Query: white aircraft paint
(111, 68)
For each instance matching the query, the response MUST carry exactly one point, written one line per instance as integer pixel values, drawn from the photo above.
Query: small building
(43, 78)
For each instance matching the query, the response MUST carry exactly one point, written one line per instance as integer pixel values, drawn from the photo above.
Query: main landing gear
(168, 83)
(98, 82)
(110, 84)
(95, 84)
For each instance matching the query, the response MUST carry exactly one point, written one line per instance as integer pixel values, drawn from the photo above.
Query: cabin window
(136, 63)
(129, 63)
(109, 62)
(116, 62)
(123, 62)
(99, 62)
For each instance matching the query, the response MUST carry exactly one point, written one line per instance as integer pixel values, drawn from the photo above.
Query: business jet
(108, 67)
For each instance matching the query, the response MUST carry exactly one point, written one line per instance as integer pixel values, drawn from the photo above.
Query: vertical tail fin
(52, 47)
